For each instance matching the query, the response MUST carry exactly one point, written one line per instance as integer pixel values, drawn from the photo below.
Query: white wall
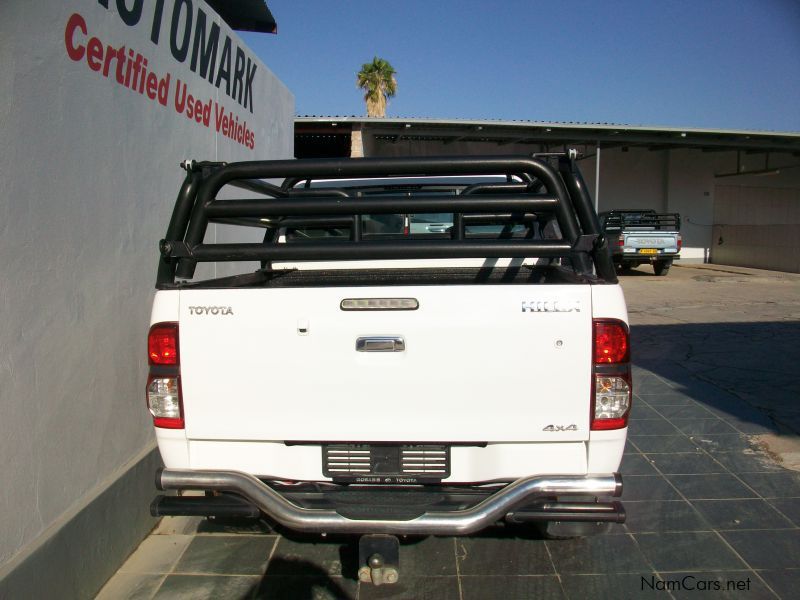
(89, 175)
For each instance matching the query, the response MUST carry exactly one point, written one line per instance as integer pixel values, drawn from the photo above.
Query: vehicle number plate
(386, 463)
(648, 251)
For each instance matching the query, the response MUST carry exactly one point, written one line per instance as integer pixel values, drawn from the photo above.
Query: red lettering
(110, 54)
(75, 21)
(94, 54)
(180, 99)
(198, 111)
(120, 65)
(207, 114)
(152, 85)
(218, 111)
(225, 124)
(163, 90)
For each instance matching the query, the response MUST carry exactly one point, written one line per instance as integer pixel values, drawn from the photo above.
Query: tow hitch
(378, 559)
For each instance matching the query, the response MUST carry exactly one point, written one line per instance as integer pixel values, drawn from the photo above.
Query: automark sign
(192, 37)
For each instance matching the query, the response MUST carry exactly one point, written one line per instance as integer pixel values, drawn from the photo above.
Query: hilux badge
(551, 305)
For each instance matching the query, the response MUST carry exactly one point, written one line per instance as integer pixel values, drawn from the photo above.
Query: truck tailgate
(282, 364)
(651, 239)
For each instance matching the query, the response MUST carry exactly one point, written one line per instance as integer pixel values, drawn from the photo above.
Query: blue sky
(712, 64)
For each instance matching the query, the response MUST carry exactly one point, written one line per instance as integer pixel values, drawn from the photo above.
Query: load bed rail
(532, 190)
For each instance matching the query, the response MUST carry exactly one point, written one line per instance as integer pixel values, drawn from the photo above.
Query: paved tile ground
(715, 357)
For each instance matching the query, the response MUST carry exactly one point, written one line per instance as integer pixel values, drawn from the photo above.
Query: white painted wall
(89, 173)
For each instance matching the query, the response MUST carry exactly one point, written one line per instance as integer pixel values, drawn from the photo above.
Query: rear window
(410, 225)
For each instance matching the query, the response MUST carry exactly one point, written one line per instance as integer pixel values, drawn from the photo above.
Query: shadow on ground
(746, 373)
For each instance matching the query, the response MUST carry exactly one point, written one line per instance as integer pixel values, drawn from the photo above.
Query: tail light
(620, 242)
(164, 382)
(612, 389)
(680, 242)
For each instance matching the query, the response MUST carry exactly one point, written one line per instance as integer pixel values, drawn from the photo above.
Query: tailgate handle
(381, 343)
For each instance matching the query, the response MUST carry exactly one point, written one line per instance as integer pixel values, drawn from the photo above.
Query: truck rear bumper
(635, 256)
(527, 499)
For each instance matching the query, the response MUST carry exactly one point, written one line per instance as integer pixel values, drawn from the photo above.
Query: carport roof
(606, 135)
(245, 15)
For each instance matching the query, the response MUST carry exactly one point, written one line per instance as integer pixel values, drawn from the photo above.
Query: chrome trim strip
(460, 522)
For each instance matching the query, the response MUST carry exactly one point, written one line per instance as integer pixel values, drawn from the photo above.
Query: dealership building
(102, 99)
(738, 192)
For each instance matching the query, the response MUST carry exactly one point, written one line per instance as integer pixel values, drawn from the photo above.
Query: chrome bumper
(457, 522)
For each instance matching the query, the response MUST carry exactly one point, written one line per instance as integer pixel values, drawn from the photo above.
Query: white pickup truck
(373, 377)
(643, 236)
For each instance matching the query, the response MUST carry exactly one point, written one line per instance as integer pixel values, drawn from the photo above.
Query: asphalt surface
(712, 499)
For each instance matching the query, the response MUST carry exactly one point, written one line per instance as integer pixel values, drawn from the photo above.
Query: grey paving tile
(511, 588)
(629, 447)
(670, 398)
(597, 555)
(748, 461)
(130, 586)
(671, 515)
(686, 551)
(226, 555)
(422, 588)
(725, 442)
(233, 527)
(640, 410)
(502, 556)
(178, 526)
(156, 554)
(703, 426)
(649, 444)
(429, 556)
(774, 485)
(784, 582)
(644, 384)
(684, 411)
(623, 587)
(754, 425)
(731, 585)
(647, 487)
(762, 550)
(636, 464)
(312, 559)
(207, 587)
(790, 507)
(710, 487)
(685, 463)
(658, 426)
(306, 588)
(741, 514)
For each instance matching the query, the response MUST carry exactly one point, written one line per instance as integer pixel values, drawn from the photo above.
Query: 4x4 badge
(572, 427)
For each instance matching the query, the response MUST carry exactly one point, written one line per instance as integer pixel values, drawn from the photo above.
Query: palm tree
(377, 79)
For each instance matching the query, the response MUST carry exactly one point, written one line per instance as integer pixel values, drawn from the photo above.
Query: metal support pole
(597, 179)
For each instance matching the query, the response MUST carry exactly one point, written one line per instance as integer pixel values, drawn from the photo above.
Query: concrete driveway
(712, 498)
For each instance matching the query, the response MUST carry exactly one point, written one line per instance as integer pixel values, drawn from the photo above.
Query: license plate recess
(386, 463)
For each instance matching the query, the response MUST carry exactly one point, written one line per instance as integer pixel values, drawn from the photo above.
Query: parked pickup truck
(362, 376)
(644, 236)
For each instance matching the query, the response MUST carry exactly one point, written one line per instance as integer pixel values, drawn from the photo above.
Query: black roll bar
(564, 196)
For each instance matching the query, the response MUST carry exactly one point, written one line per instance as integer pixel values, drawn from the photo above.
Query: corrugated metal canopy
(606, 135)
(245, 15)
